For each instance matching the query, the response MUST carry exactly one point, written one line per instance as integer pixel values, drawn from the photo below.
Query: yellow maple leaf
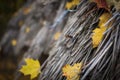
(27, 30)
(26, 10)
(72, 72)
(57, 35)
(103, 19)
(98, 32)
(70, 4)
(14, 42)
(32, 68)
(97, 36)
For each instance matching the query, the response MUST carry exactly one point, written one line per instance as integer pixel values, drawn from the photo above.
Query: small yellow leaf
(103, 19)
(57, 35)
(98, 32)
(32, 68)
(72, 72)
(14, 42)
(27, 30)
(26, 10)
(97, 36)
(69, 5)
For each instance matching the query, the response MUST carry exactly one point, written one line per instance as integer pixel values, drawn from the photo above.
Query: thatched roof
(45, 18)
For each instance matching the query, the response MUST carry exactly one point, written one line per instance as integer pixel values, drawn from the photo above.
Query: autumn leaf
(98, 32)
(97, 36)
(70, 4)
(72, 72)
(57, 35)
(115, 3)
(26, 10)
(101, 4)
(103, 19)
(27, 30)
(32, 68)
(14, 42)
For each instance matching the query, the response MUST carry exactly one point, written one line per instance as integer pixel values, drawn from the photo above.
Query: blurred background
(7, 9)
(7, 62)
